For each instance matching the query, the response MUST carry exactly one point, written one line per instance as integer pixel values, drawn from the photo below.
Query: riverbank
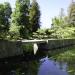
(66, 54)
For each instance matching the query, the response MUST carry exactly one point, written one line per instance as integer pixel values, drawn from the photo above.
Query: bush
(27, 47)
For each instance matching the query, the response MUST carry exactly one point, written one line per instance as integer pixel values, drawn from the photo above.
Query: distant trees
(34, 16)
(68, 20)
(57, 22)
(64, 26)
(62, 20)
(71, 14)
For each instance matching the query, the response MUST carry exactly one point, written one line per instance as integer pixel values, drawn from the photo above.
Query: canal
(56, 62)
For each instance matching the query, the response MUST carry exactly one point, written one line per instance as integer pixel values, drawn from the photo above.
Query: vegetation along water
(57, 62)
(23, 23)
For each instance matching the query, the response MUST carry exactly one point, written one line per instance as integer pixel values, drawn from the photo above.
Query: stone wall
(60, 43)
(9, 48)
(13, 48)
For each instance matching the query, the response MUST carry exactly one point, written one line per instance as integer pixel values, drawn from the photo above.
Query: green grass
(64, 54)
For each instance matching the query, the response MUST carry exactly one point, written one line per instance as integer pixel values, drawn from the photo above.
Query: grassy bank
(64, 54)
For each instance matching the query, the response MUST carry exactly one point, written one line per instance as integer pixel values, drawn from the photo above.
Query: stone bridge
(13, 48)
(37, 44)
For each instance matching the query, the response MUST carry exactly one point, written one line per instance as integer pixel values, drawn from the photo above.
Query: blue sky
(48, 8)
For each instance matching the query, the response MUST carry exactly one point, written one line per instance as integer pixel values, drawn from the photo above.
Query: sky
(49, 9)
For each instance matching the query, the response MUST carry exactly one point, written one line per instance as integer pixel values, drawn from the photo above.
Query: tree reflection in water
(20, 68)
(45, 66)
(59, 64)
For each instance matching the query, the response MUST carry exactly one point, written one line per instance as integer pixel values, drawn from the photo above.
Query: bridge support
(35, 48)
(40, 46)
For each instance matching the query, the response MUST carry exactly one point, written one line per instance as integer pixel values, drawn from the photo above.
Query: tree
(34, 16)
(8, 10)
(5, 12)
(20, 17)
(2, 20)
(57, 22)
(71, 13)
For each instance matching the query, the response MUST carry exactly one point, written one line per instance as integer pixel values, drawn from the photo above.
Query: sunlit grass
(65, 54)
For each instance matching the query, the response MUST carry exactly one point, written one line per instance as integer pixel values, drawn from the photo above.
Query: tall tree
(5, 12)
(71, 13)
(34, 16)
(20, 17)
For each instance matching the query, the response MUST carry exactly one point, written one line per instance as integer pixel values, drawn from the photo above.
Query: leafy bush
(43, 33)
(67, 32)
(27, 47)
(14, 32)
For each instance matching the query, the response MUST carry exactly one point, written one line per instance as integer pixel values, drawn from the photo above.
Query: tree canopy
(71, 13)
(20, 17)
(5, 13)
(34, 16)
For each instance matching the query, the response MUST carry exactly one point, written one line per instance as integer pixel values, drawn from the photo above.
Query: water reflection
(45, 66)
(50, 67)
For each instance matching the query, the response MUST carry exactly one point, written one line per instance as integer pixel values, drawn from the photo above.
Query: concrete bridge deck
(34, 41)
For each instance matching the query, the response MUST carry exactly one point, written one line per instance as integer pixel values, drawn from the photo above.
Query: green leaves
(20, 18)
(14, 32)
(72, 14)
(67, 32)
(57, 22)
(5, 12)
(34, 16)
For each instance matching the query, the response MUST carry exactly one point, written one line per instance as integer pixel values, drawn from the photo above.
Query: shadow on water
(44, 66)
(26, 64)
(39, 64)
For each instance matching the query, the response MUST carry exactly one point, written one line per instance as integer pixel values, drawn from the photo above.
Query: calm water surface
(50, 67)
(60, 62)
(44, 66)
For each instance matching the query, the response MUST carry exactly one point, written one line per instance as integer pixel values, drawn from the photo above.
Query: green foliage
(40, 34)
(63, 27)
(64, 54)
(14, 32)
(56, 33)
(67, 32)
(43, 34)
(8, 10)
(34, 16)
(27, 47)
(5, 12)
(20, 18)
(72, 13)
(25, 19)
(58, 22)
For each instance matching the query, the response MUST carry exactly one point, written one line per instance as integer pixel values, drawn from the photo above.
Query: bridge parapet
(34, 41)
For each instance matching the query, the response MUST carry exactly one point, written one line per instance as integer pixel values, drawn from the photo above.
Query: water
(50, 67)
(44, 66)
(58, 63)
